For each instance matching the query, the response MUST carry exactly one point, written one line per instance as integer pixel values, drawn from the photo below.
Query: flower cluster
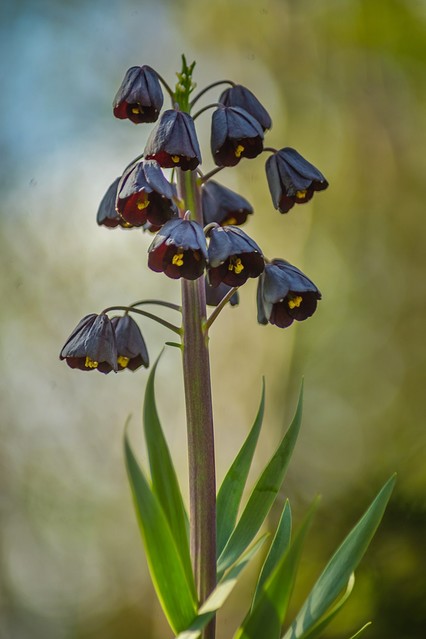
(208, 242)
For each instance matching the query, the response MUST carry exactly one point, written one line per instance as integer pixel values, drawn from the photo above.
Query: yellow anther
(239, 150)
(135, 110)
(236, 265)
(295, 302)
(230, 220)
(177, 259)
(301, 194)
(123, 361)
(90, 363)
(142, 204)
(175, 158)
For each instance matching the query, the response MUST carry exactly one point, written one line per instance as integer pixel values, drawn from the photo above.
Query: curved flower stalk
(198, 241)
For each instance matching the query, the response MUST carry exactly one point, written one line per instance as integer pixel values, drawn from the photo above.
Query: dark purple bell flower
(179, 250)
(285, 294)
(92, 345)
(131, 348)
(145, 195)
(292, 179)
(214, 295)
(235, 134)
(239, 96)
(139, 97)
(233, 256)
(223, 206)
(107, 214)
(173, 142)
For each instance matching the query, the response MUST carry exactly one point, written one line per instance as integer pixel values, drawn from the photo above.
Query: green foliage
(262, 497)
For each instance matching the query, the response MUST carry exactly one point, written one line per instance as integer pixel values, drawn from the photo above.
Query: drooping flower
(214, 295)
(173, 142)
(131, 349)
(292, 179)
(222, 205)
(285, 294)
(239, 96)
(107, 214)
(235, 134)
(139, 97)
(145, 195)
(92, 345)
(179, 250)
(233, 256)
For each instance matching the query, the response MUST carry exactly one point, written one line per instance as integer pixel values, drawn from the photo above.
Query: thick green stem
(199, 414)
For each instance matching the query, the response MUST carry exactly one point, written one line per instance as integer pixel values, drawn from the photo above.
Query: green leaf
(231, 490)
(165, 484)
(220, 594)
(340, 567)
(357, 634)
(263, 495)
(323, 622)
(164, 561)
(278, 548)
(268, 613)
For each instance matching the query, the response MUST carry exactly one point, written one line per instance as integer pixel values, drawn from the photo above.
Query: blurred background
(344, 82)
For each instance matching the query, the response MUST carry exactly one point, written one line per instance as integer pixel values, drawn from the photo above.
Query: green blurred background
(344, 82)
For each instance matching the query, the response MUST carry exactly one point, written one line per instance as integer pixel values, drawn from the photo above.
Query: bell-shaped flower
(285, 294)
(139, 97)
(292, 179)
(179, 250)
(145, 195)
(107, 213)
(233, 256)
(92, 345)
(173, 142)
(223, 206)
(239, 96)
(235, 134)
(131, 348)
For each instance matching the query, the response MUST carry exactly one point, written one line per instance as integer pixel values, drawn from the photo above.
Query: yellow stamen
(90, 363)
(301, 194)
(175, 158)
(295, 302)
(142, 204)
(230, 220)
(236, 265)
(123, 361)
(177, 259)
(135, 110)
(239, 150)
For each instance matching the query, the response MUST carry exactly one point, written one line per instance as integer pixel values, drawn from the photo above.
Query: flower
(173, 142)
(214, 295)
(131, 348)
(92, 345)
(222, 205)
(292, 179)
(285, 294)
(235, 134)
(233, 257)
(139, 97)
(145, 195)
(107, 214)
(179, 250)
(239, 96)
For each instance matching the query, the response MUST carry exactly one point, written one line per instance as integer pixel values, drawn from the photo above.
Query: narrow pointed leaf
(165, 484)
(220, 594)
(357, 634)
(263, 495)
(268, 613)
(340, 567)
(231, 490)
(323, 622)
(165, 565)
(278, 548)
